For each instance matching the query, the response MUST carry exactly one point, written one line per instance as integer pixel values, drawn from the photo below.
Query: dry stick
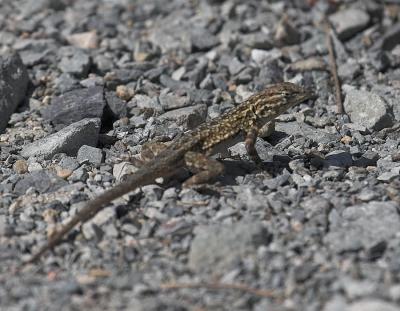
(217, 286)
(333, 67)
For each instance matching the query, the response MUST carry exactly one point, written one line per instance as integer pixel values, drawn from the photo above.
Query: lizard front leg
(203, 168)
(250, 141)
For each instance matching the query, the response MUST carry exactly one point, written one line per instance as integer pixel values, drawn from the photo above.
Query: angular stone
(364, 226)
(68, 140)
(13, 84)
(348, 23)
(76, 105)
(219, 247)
(368, 109)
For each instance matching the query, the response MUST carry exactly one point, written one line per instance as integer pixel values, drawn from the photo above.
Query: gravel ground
(83, 84)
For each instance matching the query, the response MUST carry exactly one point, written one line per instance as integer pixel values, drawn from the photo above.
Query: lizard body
(193, 148)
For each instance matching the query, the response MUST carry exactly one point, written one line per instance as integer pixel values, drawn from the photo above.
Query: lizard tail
(140, 178)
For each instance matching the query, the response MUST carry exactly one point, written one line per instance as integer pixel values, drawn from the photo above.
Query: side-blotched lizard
(193, 149)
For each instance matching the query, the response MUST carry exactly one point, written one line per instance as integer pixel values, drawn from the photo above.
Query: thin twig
(333, 67)
(218, 286)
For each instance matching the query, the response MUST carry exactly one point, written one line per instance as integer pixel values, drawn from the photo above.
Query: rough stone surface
(363, 226)
(75, 106)
(67, 140)
(368, 109)
(349, 22)
(13, 85)
(219, 247)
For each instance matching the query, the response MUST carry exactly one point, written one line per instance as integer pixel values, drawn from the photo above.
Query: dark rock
(76, 105)
(74, 61)
(13, 85)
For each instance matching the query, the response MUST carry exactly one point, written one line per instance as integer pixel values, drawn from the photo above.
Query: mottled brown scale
(192, 149)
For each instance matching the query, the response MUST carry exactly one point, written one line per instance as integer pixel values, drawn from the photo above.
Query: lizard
(194, 148)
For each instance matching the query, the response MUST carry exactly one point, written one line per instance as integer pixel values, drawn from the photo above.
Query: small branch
(333, 67)
(224, 286)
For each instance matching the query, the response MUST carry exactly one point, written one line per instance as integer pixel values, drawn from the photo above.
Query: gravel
(85, 84)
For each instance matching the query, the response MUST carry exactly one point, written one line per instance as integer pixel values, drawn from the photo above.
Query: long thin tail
(140, 178)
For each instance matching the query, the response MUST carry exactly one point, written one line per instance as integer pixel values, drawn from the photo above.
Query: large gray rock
(13, 84)
(68, 140)
(219, 247)
(363, 226)
(368, 109)
(348, 23)
(76, 105)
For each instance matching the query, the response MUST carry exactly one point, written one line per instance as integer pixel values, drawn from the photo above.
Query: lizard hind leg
(149, 151)
(203, 168)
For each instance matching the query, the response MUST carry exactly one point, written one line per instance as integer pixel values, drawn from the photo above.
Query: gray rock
(172, 101)
(220, 247)
(76, 105)
(68, 140)
(74, 61)
(203, 40)
(389, 40)
(349, 22)
(190, 117)
(69, 163)
(388, 176)
(257, 40)
(372, 305)
(363, 226)
(368, 109)
(316, 135)
(13, 84)
(90, 154)
(116, 105)
(338, 158)
(42, 181)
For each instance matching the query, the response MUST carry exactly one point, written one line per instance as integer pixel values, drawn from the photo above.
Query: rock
(220, 247)
(74, 61)
(389, 40)
(369, 158)
(203, 40)
(68, 140)
(364, 226)
(191, 116)
(286, 34)
(339, 158)
(372, 305)
(172, 101)
(42, 181)
(13, 85)
(20, 166)
(116, 105)
(349, 22)
(76, 105)
(368, 109)
(84, 40)
(90, 154)
(261, 56)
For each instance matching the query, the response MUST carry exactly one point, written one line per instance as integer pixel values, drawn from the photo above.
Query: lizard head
(277, 98)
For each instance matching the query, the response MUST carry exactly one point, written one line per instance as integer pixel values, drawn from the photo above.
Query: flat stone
(75, 61)
(364, 226)
(191, 116)
(90, 154)
(13, 85)
(68, 140)
(76, 105)
(368, 109)
(339, 158)
(220, 247)
(349, 22)
(42, 181)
